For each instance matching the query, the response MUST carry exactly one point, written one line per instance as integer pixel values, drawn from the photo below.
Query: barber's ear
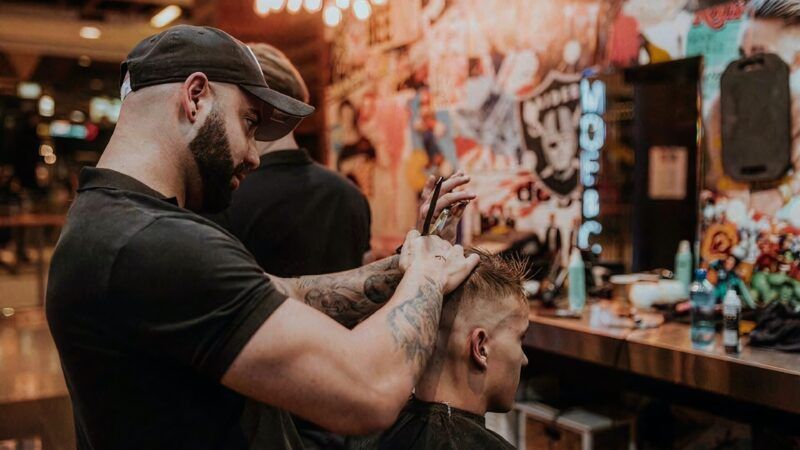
(194, 89)
(479, 350)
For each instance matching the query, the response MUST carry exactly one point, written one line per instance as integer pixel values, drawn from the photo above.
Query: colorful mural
(491, 86)
(473, 84)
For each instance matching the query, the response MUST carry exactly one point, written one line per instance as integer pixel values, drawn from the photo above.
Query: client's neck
(453, 383)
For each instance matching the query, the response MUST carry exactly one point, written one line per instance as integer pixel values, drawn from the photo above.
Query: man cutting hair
(164, 322)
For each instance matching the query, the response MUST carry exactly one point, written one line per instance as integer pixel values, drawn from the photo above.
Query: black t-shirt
(434, 426)
(149, 304)
(299, 218)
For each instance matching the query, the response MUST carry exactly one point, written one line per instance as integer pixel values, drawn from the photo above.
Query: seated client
(475, 367)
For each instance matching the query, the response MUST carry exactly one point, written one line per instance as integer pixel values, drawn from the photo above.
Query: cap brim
(287, 115)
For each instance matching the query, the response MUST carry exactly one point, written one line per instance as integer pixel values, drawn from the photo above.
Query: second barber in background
(297, 218)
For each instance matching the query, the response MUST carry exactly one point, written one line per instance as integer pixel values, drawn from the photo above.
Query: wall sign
(668, 169)
(592, 138)
(549, 124)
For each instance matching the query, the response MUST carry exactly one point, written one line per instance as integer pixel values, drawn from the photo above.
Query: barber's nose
(251, 159)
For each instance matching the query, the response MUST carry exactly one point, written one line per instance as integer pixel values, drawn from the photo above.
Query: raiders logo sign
(550, 118)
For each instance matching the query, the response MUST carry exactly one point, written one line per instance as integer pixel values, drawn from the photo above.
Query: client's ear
(479, 351)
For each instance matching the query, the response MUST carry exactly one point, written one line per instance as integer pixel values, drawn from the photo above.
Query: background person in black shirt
(297, 218)
(164, 322)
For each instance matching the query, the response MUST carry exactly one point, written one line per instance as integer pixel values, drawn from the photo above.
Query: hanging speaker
(756, 118)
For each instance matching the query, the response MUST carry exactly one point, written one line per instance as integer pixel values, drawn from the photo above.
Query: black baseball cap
(174, 54)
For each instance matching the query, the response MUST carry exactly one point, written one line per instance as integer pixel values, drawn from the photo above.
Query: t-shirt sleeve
(190, 293)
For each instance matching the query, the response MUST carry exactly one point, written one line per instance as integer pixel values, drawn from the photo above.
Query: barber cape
(433, 426)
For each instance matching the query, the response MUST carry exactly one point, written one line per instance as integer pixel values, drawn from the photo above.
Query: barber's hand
(448, 197)
(438, 259)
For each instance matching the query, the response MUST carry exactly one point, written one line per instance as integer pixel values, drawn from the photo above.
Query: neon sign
(592, 138)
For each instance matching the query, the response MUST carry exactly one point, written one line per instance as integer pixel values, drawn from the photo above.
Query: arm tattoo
(380, 287)
(348, 297)
(415, 322)
(339, 304)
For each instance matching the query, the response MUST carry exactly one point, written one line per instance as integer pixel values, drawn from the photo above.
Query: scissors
(426, 227)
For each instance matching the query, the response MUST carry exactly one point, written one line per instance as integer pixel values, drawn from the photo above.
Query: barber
(164, 322)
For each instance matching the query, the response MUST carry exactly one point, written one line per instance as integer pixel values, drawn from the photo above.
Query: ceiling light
(29, 90)
(165, 16)
(77, 116)
(47, 106)
(90, 32)
(313, 5)
(45, 149)
(262, 7)
(378, 2)
(294, 5)
(361, 9)
(343, 4)
(60, 128)
(50, 159)
(332, 16)
(276, 5)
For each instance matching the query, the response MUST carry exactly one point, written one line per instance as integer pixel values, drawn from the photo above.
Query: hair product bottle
(732, 312)
(683, 265)
(577, 281)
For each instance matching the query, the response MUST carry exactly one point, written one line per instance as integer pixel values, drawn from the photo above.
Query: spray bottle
(683, 265)
(577, 281)
(732, 312)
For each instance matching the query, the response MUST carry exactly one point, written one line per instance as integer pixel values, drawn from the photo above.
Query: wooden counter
(761, 376)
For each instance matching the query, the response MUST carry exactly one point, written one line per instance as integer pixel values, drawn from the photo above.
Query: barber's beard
(212, 153)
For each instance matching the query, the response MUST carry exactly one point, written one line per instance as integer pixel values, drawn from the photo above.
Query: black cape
(434, 426)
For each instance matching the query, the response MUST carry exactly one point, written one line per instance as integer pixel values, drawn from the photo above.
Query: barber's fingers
(437, 245)
(448, 200)
(428, 189)
(455, 180)
(472, 262)
(411, 235)
(457, 211)
(425, 244)
(459, 267)
(410, 246)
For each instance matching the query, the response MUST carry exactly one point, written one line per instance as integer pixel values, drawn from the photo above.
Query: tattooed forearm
(347, 297)
(414, 324)
(341, 306)
(380, 287)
